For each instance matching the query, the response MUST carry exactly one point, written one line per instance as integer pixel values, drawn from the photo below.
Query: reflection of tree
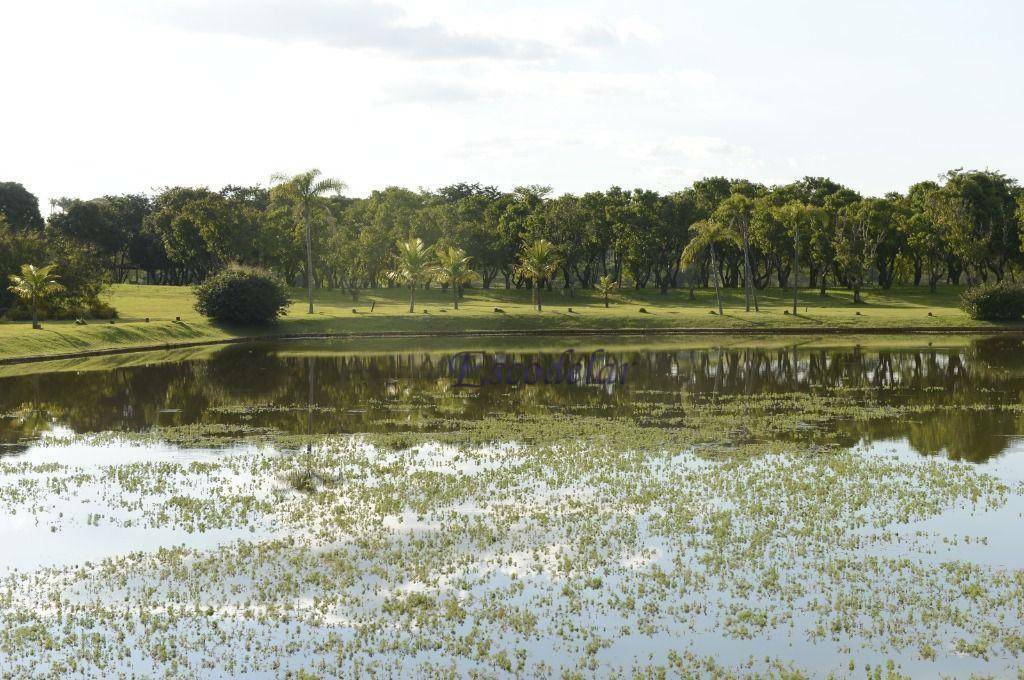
(327, 393)
(961, 435)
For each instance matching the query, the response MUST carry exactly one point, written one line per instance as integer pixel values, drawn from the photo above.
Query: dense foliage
(813, 232)
(79, 266)
(1003, 301)
(248, 296)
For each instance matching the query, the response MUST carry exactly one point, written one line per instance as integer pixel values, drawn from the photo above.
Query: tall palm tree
(537, 262)
(453, 268)
(34, 285)
(412, 267)
(709, 236)
(307, 190)
(605, 286)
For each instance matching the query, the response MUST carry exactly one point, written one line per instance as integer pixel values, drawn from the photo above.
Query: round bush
(242, 295)
(1002, 301)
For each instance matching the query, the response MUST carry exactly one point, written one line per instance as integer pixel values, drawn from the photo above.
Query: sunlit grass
(338, 313)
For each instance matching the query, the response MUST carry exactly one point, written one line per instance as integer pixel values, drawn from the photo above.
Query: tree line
(963, 227)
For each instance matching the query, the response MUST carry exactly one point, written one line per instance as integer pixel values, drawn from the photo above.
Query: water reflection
(312, 389)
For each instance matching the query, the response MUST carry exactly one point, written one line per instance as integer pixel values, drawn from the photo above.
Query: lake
(609, 506)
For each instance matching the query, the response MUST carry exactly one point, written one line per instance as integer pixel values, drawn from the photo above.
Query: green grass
(337, 313)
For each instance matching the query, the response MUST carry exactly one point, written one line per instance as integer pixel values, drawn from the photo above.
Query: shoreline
(565, 332)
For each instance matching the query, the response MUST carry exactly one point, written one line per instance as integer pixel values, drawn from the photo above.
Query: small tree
(605, 286)
(708, 237)
(537, 262)
(412, 267)
(34, 285)
(453, 268)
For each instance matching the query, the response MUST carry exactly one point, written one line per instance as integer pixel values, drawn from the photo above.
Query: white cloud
(111, 96)
(701, 149)
(429, 91)
(356, 24)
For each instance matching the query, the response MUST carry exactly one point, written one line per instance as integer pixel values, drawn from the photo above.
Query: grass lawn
(337, 313)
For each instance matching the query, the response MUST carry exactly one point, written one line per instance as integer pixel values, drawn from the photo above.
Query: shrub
(994, 301)
(242, 295)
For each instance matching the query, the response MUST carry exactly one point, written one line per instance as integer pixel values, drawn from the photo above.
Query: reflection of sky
(952, 533)
(89, 527)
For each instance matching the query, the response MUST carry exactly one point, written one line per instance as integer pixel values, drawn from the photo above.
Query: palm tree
(605, 286)
(35, 285)
(453, 269)
(708, 236)
(307, 191)
(538, 262)
(412, 267)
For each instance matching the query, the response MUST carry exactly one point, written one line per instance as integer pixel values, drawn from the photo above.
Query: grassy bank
(338, 313)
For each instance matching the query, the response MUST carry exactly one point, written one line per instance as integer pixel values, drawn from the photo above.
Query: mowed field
(487, 310)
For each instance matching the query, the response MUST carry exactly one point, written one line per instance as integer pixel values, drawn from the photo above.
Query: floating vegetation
(710, 534)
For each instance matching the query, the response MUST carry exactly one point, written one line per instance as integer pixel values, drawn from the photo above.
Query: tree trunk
(455, 295)
(748, 270)
(309, 257)
(412, 298)
(796, 269)
(714, 276)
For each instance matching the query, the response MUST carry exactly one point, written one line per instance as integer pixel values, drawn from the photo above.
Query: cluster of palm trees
(417, 264)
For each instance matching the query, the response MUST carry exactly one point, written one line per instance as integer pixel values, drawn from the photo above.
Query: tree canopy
(964, 227)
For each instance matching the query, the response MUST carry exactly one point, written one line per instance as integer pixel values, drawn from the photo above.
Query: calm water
(336, 388)
(481, 520)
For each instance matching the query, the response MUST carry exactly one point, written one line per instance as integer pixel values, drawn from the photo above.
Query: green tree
(525, 201)
(737, 211)
(454, 269)
(469, 215)
(799, 220)
(708, 238)
(87, 222)
(538, 261)
(176, 220)
(605, 286)
(412, 267)
(857, 241)
(979, 212)
(307, 190)
(924, 232)
(34, 285)
(20, 207)
(822, 245)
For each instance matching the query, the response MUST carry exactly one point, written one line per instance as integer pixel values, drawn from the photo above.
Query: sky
(122, 96)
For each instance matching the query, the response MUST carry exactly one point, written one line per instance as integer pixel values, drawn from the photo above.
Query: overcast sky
(118, 96)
